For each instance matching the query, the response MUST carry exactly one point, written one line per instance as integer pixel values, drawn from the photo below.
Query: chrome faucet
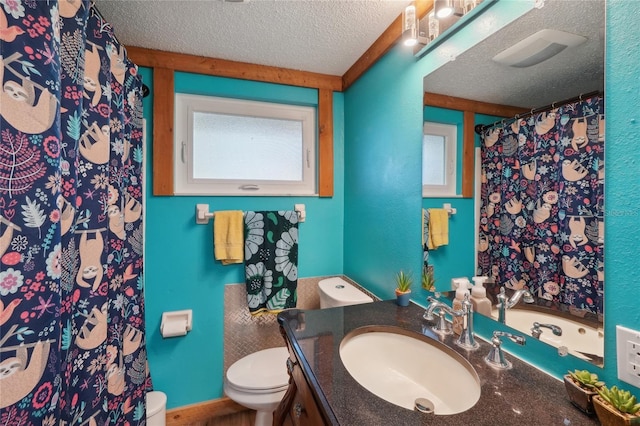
(495, 358)
(466, 339)
(505, 302)
(536, 330)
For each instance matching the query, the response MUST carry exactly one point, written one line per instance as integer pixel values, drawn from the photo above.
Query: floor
(244, 418)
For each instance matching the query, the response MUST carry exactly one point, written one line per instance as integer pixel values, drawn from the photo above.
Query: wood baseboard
(202, 411)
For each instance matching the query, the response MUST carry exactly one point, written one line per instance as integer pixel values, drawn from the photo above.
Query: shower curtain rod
(145, 88)
(479, 128)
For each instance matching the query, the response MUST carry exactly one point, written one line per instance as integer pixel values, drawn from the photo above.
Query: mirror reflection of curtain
(542, 204)
(72, 347)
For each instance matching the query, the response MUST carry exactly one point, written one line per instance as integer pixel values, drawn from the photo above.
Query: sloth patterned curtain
(72, 348)
(542, 205)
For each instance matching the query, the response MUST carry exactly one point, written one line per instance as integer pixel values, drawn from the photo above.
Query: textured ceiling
(328, 36)
(575, 71)
(324, 36)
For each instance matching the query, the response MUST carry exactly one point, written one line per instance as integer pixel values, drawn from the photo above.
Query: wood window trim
(164, 67)
(169, 62)
(468, 151)
(469, 108)
(478, 107)
(163, 99)
(325, 143)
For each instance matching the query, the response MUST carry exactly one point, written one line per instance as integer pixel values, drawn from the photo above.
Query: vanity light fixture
(443, 8)
(446, 8)
(409, 26)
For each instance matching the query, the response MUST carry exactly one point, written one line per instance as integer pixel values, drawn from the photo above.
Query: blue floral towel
(271, 260)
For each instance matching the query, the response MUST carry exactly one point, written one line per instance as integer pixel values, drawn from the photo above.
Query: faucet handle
(442, 326)
(536, 330)
(428, 314)
(495, 358)
(502, 294)
(515, 338)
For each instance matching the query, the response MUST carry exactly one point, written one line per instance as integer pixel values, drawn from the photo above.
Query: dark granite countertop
(522, 395)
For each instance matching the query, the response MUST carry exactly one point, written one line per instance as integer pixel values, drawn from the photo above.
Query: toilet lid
(339, 289)
(265, 369)
(155, 402)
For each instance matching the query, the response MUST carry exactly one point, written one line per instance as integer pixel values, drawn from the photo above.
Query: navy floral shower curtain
(542, 205)
(72, 348)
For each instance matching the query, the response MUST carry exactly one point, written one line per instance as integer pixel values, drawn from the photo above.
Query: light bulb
(409, 26)
(443, 8)
(444, 12)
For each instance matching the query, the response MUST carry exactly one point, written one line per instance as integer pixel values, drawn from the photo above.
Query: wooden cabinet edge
(299, 389)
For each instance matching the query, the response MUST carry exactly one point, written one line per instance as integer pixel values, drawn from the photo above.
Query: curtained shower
(72, 347)
(542, 207)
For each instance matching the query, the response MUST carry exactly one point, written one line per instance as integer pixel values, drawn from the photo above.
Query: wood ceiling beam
(223, 68)
(382, 45)
(461, 104)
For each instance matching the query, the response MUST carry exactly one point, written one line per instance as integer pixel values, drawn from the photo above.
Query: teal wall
(382, 138)
(180, 271)
(372, 225)
(456, 258)
(383, 189)
(383, 151)
(622, 179)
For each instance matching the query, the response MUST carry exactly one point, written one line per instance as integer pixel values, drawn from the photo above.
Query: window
(439, 160)
(238, 147)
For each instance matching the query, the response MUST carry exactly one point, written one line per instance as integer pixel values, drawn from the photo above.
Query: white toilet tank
(336, 292)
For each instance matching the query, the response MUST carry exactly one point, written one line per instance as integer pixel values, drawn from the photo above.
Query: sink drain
(424, 405)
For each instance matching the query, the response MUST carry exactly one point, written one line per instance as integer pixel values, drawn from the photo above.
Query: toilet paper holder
(176, 323)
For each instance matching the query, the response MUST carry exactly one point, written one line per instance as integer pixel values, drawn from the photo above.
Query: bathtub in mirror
(474, 89)
(570, 334)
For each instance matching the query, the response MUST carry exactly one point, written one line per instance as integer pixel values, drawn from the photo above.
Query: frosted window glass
(433, 160)
(226, 146)
(439, 160)
(241, 147)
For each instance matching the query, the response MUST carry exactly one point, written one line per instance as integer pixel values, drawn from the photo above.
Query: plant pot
(402, 298)
(609, 416)
(580, 397)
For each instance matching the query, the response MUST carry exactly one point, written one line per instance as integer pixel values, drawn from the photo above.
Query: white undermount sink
(400, 366)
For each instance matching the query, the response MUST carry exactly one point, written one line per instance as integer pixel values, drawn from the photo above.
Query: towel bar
(203, 214)
(449, 209)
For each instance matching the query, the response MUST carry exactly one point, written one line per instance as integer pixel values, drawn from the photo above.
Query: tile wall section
(244, 334)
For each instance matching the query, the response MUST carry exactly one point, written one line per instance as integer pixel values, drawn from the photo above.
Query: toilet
(336, 292)
(156, 408)
(259, 381)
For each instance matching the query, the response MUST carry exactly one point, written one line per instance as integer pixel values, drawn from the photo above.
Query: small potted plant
(428, 280)
(582, 386)
(403, 288)
(616, 407)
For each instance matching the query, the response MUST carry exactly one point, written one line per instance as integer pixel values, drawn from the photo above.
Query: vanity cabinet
(298, 407)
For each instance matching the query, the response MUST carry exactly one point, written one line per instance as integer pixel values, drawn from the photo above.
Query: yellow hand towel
(438, 228)
(228, 237)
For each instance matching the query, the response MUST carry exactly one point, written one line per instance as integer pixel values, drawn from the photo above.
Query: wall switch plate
(628, 351)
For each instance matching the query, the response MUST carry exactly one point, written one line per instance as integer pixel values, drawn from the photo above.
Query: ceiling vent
(537, 48)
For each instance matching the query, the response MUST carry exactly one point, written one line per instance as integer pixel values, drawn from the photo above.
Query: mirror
(566, 295)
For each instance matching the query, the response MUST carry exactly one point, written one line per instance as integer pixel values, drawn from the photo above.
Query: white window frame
(450, 134)
(186, 184)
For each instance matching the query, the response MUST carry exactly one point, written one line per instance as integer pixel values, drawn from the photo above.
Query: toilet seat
(264, 371)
